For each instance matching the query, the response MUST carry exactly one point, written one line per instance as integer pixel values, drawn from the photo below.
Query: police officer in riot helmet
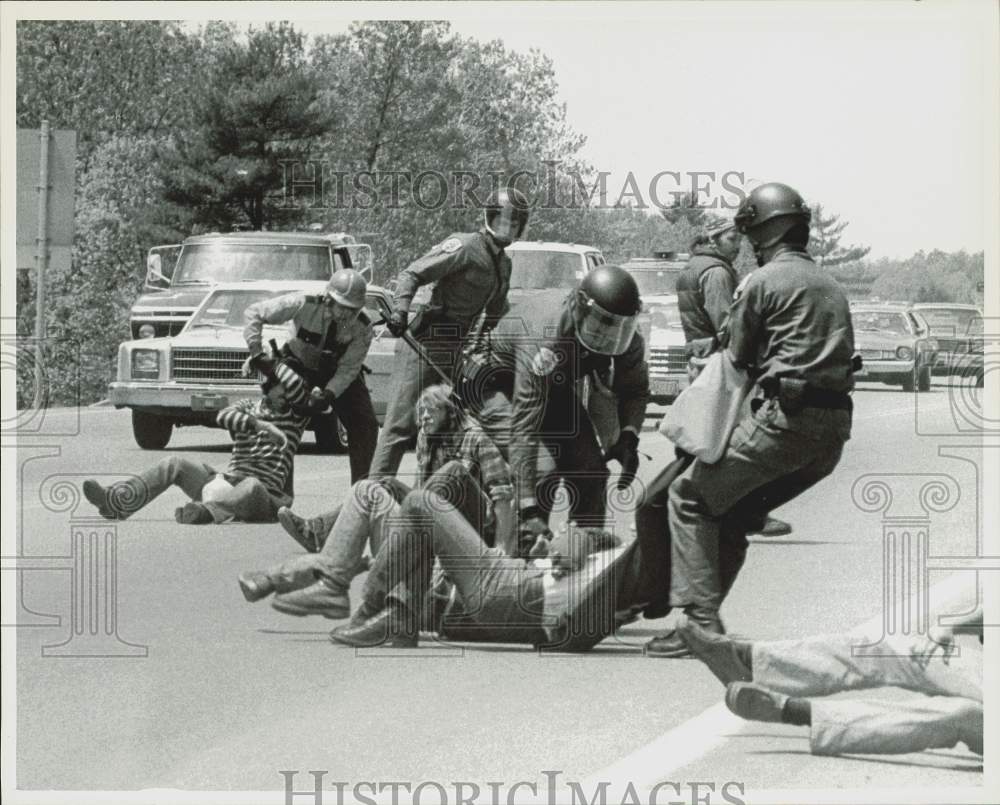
(467, 276)
(790, 327)
(329, 347)
(595, 335)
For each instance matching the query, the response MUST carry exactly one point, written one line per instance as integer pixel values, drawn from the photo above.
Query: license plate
(665, 388)
(208, 402)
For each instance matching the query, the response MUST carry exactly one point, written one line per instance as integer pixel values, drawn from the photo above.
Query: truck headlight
(145, 364)
(147, 331)
(904, 353)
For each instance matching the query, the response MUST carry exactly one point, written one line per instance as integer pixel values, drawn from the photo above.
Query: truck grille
(667, 361)
(209, 365)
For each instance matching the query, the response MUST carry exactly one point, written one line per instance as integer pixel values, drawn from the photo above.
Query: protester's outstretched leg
(935, 722)
(125, 498)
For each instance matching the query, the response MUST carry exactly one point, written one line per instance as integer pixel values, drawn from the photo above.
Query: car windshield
(665, 317)
(225, 308)
(653, 282)
(881, 321)
(536, 270)
(952, 321)
(238, 262)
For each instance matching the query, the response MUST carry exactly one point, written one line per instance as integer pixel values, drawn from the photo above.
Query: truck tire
(152, 432)
(924, 379)
(331, 436)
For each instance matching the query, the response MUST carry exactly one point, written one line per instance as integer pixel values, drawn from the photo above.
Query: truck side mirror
(154, 273)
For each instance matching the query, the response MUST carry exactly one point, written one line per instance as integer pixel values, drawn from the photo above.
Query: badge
(544, 362)
(450, 246)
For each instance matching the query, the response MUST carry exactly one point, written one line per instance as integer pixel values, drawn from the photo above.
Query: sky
(884, 111)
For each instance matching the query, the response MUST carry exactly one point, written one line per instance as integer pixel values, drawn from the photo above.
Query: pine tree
(824, 240)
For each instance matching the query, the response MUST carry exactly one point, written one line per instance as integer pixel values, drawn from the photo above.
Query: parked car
(958, 331)
(657, 280)
(179, 276)
(187, 379)
(895, 345)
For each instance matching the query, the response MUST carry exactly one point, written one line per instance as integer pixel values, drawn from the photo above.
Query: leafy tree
(256, 112)
(824, 240)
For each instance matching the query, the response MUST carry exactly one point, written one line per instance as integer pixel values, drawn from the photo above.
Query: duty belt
(795, 394)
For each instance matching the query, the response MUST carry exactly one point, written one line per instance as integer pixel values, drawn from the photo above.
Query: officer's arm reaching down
(269, 311)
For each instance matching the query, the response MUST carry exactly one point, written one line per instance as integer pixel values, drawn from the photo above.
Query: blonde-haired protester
(454, 457)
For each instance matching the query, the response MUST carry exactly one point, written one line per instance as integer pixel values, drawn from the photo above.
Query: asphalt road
(231, 693)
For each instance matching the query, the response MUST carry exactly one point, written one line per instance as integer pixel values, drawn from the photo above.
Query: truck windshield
(543, 269)
(654, 282)
(225, 308)
(880, 321)
(238, 262)
(665, 317)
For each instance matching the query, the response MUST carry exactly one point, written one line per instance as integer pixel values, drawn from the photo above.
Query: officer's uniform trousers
(951, 712)
(772, 458)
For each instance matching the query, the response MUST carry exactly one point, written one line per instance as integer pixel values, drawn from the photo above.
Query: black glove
(318, 402)
(397, 322)
(626, 452)
(263, 363)
(531, 528)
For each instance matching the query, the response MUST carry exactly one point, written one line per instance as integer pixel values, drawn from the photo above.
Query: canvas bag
(703, 416)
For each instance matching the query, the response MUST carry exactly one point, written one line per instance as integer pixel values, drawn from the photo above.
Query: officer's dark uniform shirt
(315, 333)
(468, 272)
(704, 294)
(545, 396)
(791, 319)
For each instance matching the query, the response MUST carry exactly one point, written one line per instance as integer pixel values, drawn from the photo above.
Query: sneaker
(717, 651)
(255, 585)
(772, 527)
(298, 529)
(755, 702)
(193, 513)
(98, 496)
(318, 598)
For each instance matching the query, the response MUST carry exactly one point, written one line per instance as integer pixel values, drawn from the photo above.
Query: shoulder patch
(450, 246)
(544, 362)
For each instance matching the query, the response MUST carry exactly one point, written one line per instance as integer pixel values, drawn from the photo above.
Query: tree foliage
(824, 240)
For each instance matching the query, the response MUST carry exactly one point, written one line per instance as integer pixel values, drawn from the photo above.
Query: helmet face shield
(506, 224)
(601, 331)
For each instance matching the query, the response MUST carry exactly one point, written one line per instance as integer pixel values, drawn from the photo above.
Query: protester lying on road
(769, 681)
(317, 583)
(266, 435)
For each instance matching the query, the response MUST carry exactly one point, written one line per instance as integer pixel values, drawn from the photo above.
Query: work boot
(98, 496)
(772, 527)
(725, 657)
(755, 702)
(255, 585)
(299, 529)
(193, 513)
(319, 598)
(672, 646)
(393, 627)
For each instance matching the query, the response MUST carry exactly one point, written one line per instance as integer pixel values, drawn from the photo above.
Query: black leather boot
(672, 645)
(394, 626)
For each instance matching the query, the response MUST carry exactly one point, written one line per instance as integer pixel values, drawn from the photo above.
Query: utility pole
(41, 263)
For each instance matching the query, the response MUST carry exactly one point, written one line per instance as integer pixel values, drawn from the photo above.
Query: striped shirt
(255, 455)
(474, 449)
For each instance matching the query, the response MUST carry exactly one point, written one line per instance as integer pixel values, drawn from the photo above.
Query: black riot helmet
(770, 213)
(506, 215)
(606, 310)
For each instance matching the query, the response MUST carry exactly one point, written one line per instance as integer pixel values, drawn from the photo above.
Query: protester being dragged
(787, 681)
(258, 480)
(318, 582)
